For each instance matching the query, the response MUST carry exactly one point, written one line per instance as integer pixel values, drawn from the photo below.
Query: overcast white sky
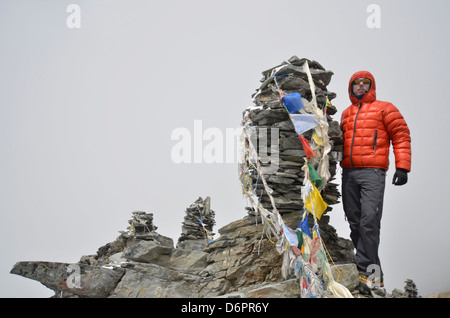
(86, 117)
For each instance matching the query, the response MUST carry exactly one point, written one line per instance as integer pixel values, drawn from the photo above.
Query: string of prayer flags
(209, 236)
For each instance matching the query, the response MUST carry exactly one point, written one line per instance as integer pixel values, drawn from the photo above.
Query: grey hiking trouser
(362, 198)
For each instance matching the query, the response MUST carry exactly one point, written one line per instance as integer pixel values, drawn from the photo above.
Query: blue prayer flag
(292, 102)
(304, 226)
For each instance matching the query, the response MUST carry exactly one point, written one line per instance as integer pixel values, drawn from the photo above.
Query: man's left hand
(400, 177)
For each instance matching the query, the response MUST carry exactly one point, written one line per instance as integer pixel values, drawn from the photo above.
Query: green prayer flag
(314, 176)
(300, 238)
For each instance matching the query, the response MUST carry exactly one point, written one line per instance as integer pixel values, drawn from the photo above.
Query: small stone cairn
(196, 230)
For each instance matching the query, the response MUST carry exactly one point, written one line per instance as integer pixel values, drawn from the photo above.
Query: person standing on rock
(369, 126)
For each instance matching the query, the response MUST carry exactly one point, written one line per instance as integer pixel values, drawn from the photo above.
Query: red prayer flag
(308, 151)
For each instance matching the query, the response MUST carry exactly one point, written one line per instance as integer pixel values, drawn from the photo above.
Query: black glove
(400, 177)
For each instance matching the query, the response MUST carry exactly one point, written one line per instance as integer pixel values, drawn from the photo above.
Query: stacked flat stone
(269, 113)
(141, 225)
(411, 289)
(193, 235)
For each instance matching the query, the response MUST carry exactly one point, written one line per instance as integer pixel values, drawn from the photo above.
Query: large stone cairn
(193, 235)
(268, 112)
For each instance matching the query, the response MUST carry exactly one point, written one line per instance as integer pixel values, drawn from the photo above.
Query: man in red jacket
(369, 126)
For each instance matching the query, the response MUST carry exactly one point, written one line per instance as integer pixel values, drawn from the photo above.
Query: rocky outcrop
(240, 263)
(72, 279)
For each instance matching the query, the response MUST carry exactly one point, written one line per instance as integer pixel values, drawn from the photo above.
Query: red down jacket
(368, 127)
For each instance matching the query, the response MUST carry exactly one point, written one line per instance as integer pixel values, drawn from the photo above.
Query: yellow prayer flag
(318, 140)
(315, 203)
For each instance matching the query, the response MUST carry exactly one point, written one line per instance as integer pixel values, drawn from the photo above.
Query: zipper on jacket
(375, 140)
(353, 137)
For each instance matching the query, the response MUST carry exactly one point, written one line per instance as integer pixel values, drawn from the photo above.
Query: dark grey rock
(75, 279)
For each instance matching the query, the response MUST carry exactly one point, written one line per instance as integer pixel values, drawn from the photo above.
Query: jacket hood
(368, 97)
